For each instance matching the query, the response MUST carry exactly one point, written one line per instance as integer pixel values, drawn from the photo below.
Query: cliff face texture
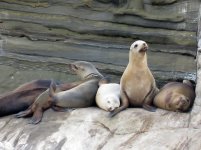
(99, 31)
(38, 37)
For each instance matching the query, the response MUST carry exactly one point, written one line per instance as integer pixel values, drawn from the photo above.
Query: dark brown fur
(22, 97)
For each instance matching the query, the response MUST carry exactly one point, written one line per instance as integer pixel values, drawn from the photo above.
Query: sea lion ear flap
(188, 83)
(104, 80)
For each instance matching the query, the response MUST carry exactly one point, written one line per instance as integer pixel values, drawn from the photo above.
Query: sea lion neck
(139, 60)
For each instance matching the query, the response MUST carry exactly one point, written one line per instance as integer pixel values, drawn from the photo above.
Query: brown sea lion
(89, 76)
(22, 97)
(138, 86)
(175, 96)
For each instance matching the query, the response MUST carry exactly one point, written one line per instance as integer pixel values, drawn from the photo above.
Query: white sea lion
(108, 95)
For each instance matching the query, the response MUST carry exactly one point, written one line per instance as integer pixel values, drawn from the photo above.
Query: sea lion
(22, 97)
(86, 71)
(138, 86)
(175, 96)
(108, 95)
(82, 95)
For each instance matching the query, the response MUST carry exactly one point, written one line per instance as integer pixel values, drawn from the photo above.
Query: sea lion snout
(139, 46)
(144, 48)
(183, 103)
(110, 109)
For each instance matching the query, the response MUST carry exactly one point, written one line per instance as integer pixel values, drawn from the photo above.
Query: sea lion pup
(138, 86)
(22, 97)
(108, 95)
(86, 71)
(175, 96)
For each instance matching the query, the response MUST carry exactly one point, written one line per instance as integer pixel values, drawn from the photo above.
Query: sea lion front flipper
(60, 109)
(37, 116)
(149, 99)
(124, 102)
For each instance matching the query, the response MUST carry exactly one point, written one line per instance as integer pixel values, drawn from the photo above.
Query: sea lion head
(137, 52)
(113, 102)
(83, 69)
(180, 103)
(139, 47)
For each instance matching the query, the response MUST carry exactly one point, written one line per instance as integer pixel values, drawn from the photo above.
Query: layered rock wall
(100, 31)
(28, 55)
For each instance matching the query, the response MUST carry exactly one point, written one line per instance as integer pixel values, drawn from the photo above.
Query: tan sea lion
(108, 95)
(138, 86)
(89, 75)
(175, 96)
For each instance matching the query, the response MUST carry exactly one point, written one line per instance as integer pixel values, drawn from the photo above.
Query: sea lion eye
(135, 45)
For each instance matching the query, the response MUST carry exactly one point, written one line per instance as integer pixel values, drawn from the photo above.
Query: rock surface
(38, 39)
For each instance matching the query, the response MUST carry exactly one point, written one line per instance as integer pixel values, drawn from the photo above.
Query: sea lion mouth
(144, 49)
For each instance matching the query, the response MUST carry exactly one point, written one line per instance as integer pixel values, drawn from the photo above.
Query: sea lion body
(137, 83)
(175, 96)
(138, 86)
(22, 97)
(108, 96)
(78, 97)
(56, 97)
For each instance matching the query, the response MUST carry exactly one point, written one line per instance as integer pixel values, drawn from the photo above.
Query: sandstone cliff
(39, 37)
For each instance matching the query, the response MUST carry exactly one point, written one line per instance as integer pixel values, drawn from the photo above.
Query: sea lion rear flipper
(61, 109)
(124, 103)
(37, 116)
(24, 113)
(149, 107)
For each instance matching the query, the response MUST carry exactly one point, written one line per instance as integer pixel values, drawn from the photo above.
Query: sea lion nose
(110, 108)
